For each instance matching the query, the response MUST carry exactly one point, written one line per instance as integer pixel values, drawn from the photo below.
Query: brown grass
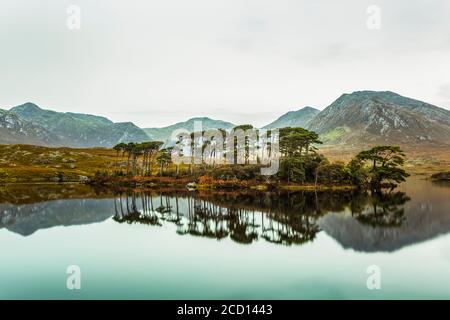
(27, 163)
(425, 160)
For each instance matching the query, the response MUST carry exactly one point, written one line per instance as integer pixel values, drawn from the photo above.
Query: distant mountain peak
(308, 108)
(381, 117)
(30, 105)
(298, 118)
(199, 118)
(386, 96)
(205, 119)
(370, 93)
(27, 107)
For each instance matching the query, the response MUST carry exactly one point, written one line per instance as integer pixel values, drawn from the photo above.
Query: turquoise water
(188, 245)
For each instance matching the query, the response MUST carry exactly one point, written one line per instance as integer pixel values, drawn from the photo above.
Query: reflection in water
(383, 209)
(157, 245)
(24, 209)
(424, 215)
(282, 218)
(418, 211)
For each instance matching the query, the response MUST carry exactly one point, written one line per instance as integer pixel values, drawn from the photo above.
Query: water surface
(162, 244)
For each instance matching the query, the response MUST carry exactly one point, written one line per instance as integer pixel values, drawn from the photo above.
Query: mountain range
(31, 124)
(358, 118)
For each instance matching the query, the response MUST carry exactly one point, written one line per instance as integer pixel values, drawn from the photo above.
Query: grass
(334, 134)
(36, 164)
(27, 163)
(425, 160)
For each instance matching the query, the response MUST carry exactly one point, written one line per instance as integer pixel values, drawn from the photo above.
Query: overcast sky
(245, 61)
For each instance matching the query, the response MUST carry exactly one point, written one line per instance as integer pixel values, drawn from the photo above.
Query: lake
(167, 244)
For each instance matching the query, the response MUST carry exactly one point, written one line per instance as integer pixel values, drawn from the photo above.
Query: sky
(245, 61)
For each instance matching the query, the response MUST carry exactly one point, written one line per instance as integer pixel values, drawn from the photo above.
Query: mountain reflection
(368, 222)
(285, 218)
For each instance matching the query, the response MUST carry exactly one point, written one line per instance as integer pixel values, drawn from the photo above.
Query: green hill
(79, 130)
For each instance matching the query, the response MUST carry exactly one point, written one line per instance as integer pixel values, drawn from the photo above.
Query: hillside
(77, 130)
(16, 130)
(371, 117)
(28, 163)
(164, 133)
(299, 118)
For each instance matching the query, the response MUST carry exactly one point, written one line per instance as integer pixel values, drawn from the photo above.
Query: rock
(441, 176)
(54, 154)
(83, 179)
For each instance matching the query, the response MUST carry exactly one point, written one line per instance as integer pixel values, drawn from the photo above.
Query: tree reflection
(133, 214)
(382, 209)
(287, 218)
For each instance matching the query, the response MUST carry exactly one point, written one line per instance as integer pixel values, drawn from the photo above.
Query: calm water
(224, 245)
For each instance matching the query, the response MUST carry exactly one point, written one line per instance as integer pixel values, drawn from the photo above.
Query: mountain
(368, 117)
(164, 134)
(14, 130)
(26, 219)
(358, 119)
(79, 130)
(299, 118)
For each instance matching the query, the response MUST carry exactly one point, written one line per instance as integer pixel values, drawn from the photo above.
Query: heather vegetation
(36, 164)
(300, 163)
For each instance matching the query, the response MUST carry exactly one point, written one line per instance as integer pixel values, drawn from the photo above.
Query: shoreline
(208, 183)
(153, 182)
(182, 183)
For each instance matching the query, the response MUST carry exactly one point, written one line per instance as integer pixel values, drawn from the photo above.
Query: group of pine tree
(299, 163)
